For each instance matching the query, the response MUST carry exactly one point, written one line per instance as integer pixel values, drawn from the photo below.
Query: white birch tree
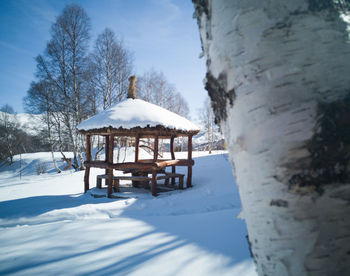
(112, 64)
(206, 117)
(9, 141)
(64, 65)
(39, 100)
(278, 78)
(154, 87)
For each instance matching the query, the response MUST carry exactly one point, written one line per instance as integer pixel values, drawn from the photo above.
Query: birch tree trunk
(278, 78)
(49, 129)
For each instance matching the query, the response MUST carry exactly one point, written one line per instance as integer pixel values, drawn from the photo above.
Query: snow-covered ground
(49, 227)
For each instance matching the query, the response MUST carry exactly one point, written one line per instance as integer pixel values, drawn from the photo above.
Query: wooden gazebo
(138, 119)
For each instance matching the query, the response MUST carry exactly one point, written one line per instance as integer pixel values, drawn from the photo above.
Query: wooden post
(110, 161)
(155, 148)
(106, 154)
(137, 147)
(154, 172)
(137, 144)
(154, 183)
(88, 159)
(99, 182)
(116, 186)
(181, 182)
(173, 168)
(189, 168)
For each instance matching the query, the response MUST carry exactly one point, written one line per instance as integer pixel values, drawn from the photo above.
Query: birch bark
(277, 75)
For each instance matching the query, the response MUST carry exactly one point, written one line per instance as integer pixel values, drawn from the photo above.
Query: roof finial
(131, 92)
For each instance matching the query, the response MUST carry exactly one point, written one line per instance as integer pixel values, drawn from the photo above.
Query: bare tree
(13, 140)
(154, 87)
(277, 75)
(9, 141)
(7, 109)
(112, 64)
(206, 117)
(64, 65)
(92, 96)
(40, 99)
(179, 105)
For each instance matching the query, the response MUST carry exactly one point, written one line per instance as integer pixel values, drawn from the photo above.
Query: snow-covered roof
(132, 113)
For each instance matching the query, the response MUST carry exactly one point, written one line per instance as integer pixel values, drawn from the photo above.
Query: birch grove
(80, 83)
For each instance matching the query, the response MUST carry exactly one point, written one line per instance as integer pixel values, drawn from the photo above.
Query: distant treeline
(15, 140)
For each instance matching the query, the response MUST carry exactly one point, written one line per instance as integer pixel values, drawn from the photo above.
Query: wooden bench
(116, 179)
(167, 176)
(99, 180)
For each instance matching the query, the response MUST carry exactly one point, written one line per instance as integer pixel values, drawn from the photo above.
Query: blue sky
(161, 33)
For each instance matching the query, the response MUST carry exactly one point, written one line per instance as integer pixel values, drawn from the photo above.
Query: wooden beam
(132, 165)
(183, 162)
(155, 148)
(189, 168)
(176, 162)
(96, 164)
(147, 132)
(142, 164)
(134, 178)
(149, 161)
(110, 161)
(137, 145)
(88, 159)
(172, 151)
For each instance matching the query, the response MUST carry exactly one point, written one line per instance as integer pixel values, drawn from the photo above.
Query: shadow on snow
(208, 231)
